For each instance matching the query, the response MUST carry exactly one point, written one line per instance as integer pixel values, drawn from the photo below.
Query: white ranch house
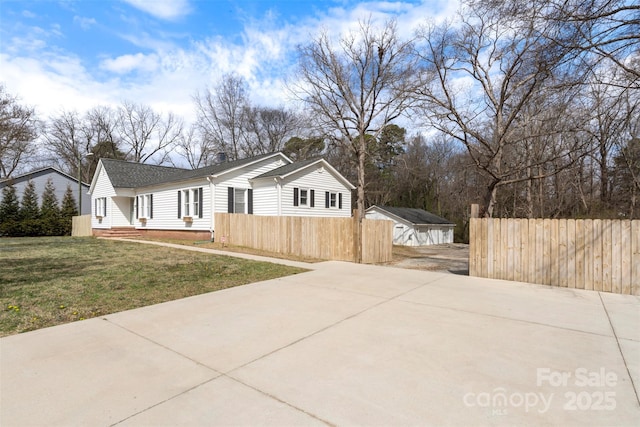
(180, 202)
(414, 227)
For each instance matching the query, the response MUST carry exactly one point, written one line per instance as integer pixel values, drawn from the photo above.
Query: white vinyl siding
(265, 198)
(165, 206)
(320, 181)
(240, 179)
(102, 189)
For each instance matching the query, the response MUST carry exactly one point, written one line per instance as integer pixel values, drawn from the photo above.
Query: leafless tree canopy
(356, 86)
(18, 131)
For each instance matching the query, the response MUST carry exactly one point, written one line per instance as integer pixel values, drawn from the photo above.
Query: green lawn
(47, 281)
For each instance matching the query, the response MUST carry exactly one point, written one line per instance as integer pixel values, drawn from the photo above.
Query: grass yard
(47, 281)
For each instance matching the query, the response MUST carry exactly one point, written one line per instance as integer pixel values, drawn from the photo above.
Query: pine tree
(29, 211)
(50, 211)
(68, 211)
(9, 212)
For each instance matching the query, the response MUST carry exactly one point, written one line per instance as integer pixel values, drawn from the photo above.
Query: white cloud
(127, 63)
(85, 23)
(163, 9)
(166, 75)
(28, 14)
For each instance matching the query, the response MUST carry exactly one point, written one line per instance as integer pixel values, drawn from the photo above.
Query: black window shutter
(104, 206)
(179, 204)
(295, 196)
(137, 203)
(230, 200)
(339, 200)
(95, 207)
(312, 202)
(250, 201)
(200, 208)
(150, 206)
(326, 199)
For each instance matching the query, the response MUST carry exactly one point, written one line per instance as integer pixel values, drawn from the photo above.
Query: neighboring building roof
(34, 174)
(414, 216)
(286, 170)
(125, 174)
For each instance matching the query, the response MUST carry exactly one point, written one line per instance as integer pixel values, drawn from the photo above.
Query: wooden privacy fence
(81, 226)
(594, 254)
(320, 238)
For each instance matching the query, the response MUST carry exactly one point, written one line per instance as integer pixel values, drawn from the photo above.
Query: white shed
(414, 227)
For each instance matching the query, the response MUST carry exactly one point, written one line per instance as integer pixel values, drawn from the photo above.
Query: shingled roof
(287, 169)
(125, 174)
(415, 216)
(132, 175)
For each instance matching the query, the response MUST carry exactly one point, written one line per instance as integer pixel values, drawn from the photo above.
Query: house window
(190, 203)
(100, 207)
(303, 197)
(240, 200)
(332, 200)
(145, 206)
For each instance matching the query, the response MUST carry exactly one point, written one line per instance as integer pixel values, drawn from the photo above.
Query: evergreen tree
(68, 211)
(30, 211)
(50, 211)
(9, 212)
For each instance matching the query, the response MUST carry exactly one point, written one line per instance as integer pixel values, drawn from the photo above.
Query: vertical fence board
(635, 257)
(616, 257)
(571, 253)
(555, 258)
(539, 277)
(497, 245)
(510, 268)
(625, 257)
(546, 251)
(524, 250)
(474, 241)
(484, 224)
(606, 255)
(562, 253)
(490, 243)
(588, 254)
(579, 282)
(517, 253)
(597, 255)
(532, 251)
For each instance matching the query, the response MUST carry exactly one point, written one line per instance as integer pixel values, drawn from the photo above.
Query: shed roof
(414, 215)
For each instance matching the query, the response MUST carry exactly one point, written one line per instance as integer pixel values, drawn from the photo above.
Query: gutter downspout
(212, 210)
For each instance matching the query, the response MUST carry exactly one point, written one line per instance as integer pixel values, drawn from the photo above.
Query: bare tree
(357, 86)
(607, 29)
(267, 129)
(488, 71)
(196, 150)
(221, 115)
(18, 131)
(145, 135)
(68, 140)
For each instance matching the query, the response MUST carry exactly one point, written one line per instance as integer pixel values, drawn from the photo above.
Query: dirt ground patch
(449, 257)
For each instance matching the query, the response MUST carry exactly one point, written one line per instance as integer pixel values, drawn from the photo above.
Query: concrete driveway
(344, 344)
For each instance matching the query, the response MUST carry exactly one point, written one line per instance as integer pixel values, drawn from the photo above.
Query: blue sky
(74, 55)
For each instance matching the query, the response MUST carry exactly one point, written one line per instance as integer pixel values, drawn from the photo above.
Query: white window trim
(144, 206)
(101, 207)
(190, 203)
(333, 200)
(306, 204)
